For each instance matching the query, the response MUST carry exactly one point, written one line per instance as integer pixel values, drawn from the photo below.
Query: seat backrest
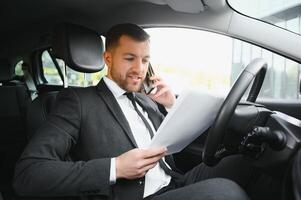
(38, 111)
(81, 49)
(14, 100)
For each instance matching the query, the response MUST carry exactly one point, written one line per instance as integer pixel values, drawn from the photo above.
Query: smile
(135, 78)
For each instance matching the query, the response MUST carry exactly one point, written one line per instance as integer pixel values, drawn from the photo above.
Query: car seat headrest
(80, 48)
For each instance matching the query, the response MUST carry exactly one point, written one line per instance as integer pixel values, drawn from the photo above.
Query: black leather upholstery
(14, 99)
(82, 50)
(39, 110)
(296, 176)
(79, 47)
(6, 71)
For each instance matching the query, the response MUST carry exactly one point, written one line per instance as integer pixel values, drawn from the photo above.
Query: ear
(108, 58)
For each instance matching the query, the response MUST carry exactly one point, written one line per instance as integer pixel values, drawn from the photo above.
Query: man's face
(128, 63)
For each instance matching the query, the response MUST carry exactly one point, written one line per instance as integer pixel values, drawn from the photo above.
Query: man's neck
(113, 87)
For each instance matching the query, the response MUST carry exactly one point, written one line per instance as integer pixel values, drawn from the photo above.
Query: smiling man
(127, 59)
(127, 62)
(94, 143)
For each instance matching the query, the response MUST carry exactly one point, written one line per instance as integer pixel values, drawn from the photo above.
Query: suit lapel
(109, 99)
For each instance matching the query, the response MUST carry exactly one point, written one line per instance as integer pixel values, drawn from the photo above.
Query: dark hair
(132, 30)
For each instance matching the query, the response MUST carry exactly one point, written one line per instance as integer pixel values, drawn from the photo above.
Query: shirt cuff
(113, 172)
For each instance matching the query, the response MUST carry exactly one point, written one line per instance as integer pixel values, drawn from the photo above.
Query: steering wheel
(256, 68)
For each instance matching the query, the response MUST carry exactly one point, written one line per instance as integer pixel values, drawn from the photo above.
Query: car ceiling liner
(190, 6)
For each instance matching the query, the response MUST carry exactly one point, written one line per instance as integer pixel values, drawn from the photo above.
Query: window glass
(188, 58)
(50, 72)
(18, 68)
(74, 78)
(282, 13)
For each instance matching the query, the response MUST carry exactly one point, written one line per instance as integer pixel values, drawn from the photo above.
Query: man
(94, 143)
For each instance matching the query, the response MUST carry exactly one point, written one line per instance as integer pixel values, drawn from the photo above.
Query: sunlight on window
(282, 13)
(188, 58)
(197, 59)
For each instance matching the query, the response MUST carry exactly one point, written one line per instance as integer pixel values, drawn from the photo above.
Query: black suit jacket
(70, 154)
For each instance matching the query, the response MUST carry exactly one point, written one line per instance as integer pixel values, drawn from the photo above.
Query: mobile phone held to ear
(147, 85)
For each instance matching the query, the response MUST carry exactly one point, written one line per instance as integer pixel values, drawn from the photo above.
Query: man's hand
(163, 95)
(136, 162)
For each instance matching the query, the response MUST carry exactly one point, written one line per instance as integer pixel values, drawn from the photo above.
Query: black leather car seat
(14, 100)
(82, 50)
(38, 111)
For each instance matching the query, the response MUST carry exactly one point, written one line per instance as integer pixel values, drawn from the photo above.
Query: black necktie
(131, 96)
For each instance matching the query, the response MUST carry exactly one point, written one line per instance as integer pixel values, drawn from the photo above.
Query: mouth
(135, 78)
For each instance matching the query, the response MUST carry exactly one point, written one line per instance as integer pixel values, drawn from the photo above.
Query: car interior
(71, 34)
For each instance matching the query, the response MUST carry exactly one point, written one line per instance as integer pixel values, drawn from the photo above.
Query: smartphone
(147, 85)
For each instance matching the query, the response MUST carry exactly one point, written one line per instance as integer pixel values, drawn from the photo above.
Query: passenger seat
(14, 99)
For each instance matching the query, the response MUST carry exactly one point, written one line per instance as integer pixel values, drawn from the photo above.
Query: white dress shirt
(155, 178)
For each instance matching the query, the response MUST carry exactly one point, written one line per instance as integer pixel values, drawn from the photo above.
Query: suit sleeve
(44, 170)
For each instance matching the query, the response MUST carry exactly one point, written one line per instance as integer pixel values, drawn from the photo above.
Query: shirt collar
(114, 88)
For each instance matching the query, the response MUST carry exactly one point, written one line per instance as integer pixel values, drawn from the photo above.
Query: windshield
(282, 13)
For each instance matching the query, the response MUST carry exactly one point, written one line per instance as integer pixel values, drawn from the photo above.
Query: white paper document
(193, 113)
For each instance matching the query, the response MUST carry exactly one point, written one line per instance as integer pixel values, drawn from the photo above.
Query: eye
(129, 58)
(145, 61)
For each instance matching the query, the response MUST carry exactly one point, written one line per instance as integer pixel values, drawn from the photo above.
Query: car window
(18, 68)
(75, 78)
(50, 72)
(284, 13)
(189, 58)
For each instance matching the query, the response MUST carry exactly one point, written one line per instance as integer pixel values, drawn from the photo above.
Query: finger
(155, 78)
(148, 153)
(139, 175)
(150, 161)
(148, 167)
(161, 91)
(159, 84)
